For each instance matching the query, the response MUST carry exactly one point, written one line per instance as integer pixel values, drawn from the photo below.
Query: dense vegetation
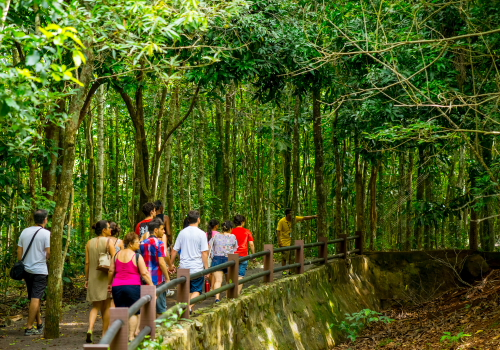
(381, 117)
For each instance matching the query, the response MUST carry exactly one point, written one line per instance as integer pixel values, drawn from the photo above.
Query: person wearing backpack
(33, 249)
(124, 278)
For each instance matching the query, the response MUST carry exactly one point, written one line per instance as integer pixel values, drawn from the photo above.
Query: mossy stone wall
(291, 313)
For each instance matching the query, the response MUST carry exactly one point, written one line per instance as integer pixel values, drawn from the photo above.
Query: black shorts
(35, 284)
(125, 296)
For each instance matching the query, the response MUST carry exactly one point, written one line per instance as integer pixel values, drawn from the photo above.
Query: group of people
(115, 268)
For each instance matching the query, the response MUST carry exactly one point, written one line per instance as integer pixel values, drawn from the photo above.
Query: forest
(378, 116)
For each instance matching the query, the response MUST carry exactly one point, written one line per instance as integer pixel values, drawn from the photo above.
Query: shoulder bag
(104, 258)
(17, 271)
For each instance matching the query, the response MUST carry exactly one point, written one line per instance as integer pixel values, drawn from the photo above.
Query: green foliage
(452, 339)
(170, 320)
(355, 322)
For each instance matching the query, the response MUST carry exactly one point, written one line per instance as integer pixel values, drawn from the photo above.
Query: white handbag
(104, 258)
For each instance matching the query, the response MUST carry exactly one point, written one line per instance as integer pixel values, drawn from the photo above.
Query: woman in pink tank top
(124, 277)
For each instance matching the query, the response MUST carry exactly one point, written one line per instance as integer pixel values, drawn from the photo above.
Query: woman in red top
(245, 240)
(124, 277)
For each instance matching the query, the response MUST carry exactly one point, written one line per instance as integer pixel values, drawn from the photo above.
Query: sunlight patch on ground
(73, 323)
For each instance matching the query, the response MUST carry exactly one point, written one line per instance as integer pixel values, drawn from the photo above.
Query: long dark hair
(211, 224)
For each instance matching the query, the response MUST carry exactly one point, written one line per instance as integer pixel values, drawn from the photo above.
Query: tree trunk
(296, 164)
(225, 169)
(373, 205)
(408, 242)
(360, 192)
(64, 189)
(91, 168)
(319, 164)
(99, 188)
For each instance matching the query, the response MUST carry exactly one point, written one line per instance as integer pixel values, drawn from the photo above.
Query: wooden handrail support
(323, 250)
(121, 339)
(299, 256)
(359, 242)
(269, 263)
(343, 245)
(233, 275)
(148, 311)
(183, 295)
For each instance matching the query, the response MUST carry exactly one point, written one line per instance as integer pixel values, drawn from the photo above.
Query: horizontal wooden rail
(212, 269)
(314, 244)
(138, 304)
(173, 283)
(285, 249)
(116, 337)
(254, 256)
(134, 344)
(253, 277)
(286, 267)
(206, 295)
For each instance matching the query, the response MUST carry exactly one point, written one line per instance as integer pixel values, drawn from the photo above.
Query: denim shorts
(217, 260)
(196, 285)
(243, 268)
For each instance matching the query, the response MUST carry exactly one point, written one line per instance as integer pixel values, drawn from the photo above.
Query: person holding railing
(284, 235)
(221, 245)
(194, 256)
(245, 240)
(124, 278)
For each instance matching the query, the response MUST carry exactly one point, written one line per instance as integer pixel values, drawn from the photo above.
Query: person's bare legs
(193, 295)
(240, 286)
(34, 312)
(132, 325)
(137, 330)
(105, 305)
(217, 276)
(96, 305)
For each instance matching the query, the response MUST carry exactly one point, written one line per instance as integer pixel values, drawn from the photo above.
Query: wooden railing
(116, 338)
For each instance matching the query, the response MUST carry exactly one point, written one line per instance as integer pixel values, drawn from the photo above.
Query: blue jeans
(243, 268)
(161, 302)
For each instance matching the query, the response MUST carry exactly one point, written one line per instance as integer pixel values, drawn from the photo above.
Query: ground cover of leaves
(474, 311)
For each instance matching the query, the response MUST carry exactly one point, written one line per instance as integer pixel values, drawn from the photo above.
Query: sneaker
(284, 273)
(89, 338)
(170, 293)
(40, 327)
(217, 301)
(33, 331)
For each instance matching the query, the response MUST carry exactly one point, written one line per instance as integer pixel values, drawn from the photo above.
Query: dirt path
(74, 324)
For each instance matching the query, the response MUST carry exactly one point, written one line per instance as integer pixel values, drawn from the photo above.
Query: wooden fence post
(183, 295)
(359, 242)
(233, 275)
(269, 263)
(299, 256)
(148, 311)
(323, 249)
(121, 339)
(343, 245)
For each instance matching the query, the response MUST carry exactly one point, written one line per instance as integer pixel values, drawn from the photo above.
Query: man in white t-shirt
(35, 267)
(193, 246)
